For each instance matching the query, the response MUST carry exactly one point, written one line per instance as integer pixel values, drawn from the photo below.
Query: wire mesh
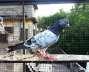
(47, 66)
(12, 21)
(11, 32)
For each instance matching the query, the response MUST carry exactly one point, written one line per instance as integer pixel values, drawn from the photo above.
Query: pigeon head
(63, 23)
(59, 25)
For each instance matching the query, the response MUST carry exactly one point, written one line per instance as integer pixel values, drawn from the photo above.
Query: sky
(50, 9)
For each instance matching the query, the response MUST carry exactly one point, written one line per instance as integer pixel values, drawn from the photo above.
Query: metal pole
(23, 20)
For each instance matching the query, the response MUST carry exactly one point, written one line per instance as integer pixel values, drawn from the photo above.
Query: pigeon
(43, 40)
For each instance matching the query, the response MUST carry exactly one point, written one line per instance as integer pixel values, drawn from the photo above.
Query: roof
(40, 1)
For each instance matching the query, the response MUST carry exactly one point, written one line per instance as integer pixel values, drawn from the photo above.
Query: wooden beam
(30, 57)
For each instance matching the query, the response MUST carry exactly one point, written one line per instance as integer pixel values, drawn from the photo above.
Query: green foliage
(75, 39)
(44, 22)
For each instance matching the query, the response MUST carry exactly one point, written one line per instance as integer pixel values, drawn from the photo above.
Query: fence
(64, 63)
(43, 66)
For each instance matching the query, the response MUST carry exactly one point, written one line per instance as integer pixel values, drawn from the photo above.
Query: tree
(44, 22)
(75, 39)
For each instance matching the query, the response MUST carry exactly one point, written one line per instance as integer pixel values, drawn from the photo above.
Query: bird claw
(45, 56)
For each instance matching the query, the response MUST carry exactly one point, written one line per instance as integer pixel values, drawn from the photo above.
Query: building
(13, 20)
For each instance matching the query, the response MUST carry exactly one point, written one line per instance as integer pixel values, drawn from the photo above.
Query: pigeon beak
(68, 25)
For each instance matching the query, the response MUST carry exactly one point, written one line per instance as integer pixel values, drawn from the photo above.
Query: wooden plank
(59, 57)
